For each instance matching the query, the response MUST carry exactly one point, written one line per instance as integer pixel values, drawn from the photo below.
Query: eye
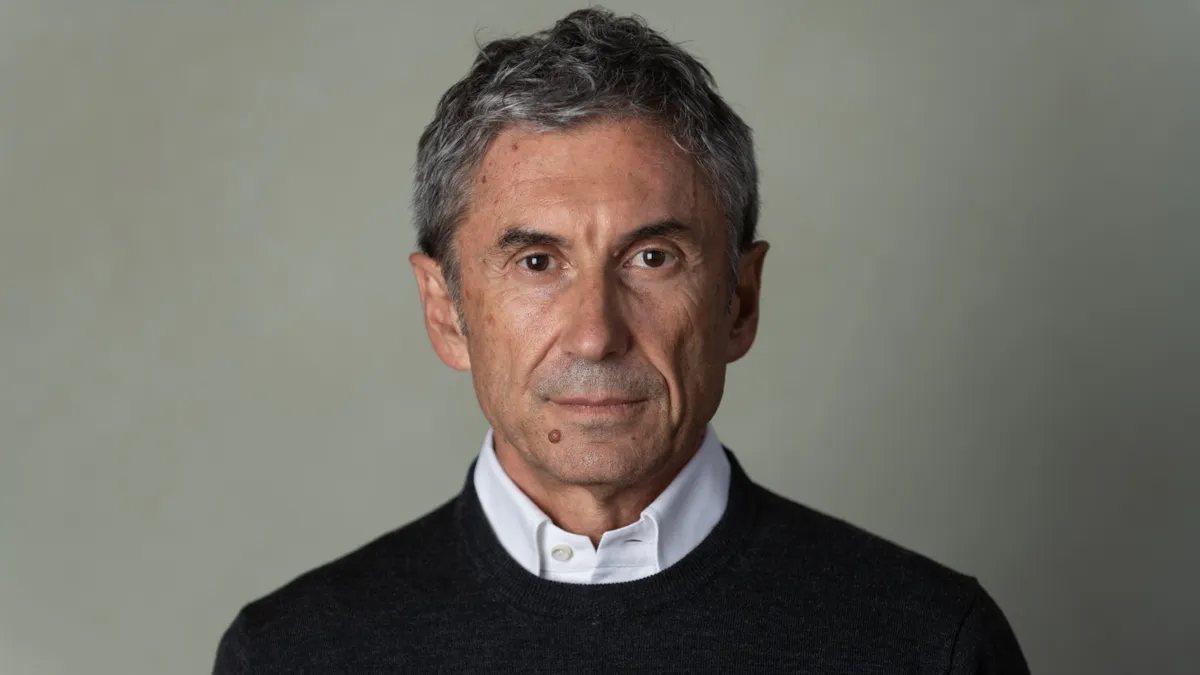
(651, 257)
(538, 262)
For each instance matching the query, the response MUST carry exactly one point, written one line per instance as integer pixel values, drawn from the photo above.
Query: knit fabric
(776, 587)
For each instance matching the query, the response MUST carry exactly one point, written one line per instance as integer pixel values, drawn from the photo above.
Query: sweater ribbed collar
(512, 583)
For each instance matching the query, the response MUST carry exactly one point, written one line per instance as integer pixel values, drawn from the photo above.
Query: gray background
(979, 331)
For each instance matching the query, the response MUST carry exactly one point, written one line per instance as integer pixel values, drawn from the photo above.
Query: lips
(595, 402)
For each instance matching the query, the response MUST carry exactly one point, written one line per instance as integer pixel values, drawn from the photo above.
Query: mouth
(595, 401)
(598, 406)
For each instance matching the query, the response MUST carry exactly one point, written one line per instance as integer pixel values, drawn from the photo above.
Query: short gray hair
(590, 65)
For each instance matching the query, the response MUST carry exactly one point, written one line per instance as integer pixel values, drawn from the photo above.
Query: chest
(703, 639)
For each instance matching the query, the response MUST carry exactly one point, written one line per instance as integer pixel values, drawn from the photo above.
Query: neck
(591, 509)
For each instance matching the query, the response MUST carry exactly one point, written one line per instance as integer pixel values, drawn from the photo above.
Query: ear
(441, 319)
(743, 308)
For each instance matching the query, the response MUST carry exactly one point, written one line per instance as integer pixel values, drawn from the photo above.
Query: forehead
(609, 172)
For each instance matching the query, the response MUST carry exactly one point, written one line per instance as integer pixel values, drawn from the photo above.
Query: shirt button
(561, 553)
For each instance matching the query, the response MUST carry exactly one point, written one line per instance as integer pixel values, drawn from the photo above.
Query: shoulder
(400, 575)
(878, 596)
(872, 594)
(836, 557)
(410, 562)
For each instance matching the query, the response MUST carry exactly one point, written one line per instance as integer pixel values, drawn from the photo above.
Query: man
(586, 205)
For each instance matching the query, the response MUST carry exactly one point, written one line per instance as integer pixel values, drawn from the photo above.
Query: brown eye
(539, 262)
(652, 258)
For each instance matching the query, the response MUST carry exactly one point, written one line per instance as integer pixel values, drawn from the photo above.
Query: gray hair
(591, 65)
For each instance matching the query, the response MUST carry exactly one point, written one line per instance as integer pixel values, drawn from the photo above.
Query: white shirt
(669, 528)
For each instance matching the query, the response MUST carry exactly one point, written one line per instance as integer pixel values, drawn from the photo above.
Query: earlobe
(441, 319)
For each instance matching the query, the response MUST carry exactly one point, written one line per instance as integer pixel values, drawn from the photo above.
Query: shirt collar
(512, 514)
(688, 509)
(683, 514)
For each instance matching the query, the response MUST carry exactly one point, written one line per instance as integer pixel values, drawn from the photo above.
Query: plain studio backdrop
(980, 320)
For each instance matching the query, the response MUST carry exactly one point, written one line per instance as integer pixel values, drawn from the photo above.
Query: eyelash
(521, 262)
(670, 256)
(523, 259)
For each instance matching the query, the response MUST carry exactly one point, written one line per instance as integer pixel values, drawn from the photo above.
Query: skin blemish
(483, 178)
(555, 435)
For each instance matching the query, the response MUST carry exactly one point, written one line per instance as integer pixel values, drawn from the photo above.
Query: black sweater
(776, 587)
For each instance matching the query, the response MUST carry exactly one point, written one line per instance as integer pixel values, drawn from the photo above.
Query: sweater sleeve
(985, 644)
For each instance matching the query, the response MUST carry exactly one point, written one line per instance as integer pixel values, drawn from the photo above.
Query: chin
(589, 462)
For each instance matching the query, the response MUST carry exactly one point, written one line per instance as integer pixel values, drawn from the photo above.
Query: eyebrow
(518, 237)
(661, 228)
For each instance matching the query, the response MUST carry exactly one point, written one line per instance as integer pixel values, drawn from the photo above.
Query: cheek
(698, 348)
(512, 332)
(675, 330)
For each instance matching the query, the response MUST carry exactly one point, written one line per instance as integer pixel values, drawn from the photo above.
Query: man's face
(596, 295)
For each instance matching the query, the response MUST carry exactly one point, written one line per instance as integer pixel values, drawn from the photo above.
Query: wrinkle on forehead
(589, 172)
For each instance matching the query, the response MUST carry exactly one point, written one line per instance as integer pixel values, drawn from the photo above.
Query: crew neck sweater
(775, 587)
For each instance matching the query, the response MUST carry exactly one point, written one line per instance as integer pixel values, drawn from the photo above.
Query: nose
(596, 327)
